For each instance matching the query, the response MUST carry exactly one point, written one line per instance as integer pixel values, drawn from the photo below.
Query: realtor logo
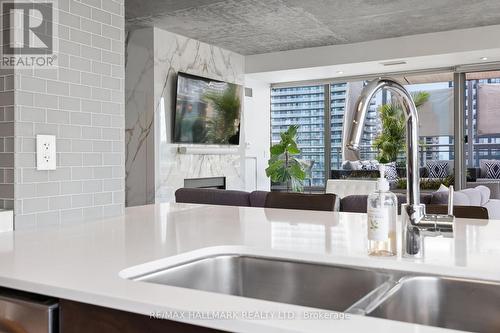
(27, 29)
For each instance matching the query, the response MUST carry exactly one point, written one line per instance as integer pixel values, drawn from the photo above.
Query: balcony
(297, 107)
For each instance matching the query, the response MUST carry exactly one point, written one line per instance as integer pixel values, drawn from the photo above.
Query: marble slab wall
(139, 118)
(150, 151)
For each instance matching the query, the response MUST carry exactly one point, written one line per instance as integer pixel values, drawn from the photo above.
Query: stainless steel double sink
(461, 304)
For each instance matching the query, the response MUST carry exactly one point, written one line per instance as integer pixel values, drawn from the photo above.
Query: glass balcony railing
(284, 92)
(298, 107)
(302, 114)
(297, 100)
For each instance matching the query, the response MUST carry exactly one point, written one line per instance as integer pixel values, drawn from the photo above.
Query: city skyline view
(305, 106)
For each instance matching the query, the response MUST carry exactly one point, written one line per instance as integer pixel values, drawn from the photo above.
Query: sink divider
(371, 300)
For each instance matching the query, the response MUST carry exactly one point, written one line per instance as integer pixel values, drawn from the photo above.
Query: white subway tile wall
(82, 103)
(7, 139)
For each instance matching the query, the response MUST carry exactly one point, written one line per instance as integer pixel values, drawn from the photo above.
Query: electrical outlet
(45, 152)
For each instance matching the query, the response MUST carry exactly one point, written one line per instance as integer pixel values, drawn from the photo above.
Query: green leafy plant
(224, 125)
(391, 141)
(429, 184)
(283, 166)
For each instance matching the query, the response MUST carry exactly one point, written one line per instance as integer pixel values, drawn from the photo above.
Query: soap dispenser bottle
(382, 214)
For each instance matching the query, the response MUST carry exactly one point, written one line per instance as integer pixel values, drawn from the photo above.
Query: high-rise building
(484, 146)
(304, 106)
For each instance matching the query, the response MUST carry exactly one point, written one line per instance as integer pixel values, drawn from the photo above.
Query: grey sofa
(213, 197)
(358, 203)
(351, 203)
(256, 199)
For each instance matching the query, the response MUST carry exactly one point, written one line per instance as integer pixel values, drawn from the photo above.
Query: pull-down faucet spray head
(416, 224)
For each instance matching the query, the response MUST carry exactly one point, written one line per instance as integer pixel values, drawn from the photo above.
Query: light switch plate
(45, 152)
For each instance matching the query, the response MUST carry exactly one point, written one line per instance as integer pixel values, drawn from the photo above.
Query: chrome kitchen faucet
(416, 224)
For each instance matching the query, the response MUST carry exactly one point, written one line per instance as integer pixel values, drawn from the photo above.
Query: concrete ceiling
(261, 26)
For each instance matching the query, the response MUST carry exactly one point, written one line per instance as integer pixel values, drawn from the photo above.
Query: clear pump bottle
(382, 214)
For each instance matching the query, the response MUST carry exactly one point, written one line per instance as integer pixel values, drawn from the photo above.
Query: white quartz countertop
(82, 262)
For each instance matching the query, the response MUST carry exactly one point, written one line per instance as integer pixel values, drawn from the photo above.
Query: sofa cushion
(493, 207)
(291, 200)
(354, 204)
(212, 197)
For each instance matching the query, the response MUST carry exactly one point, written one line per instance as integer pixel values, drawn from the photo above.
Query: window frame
(459, 82)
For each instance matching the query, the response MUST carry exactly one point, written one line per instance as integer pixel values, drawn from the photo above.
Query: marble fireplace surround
(155, 167)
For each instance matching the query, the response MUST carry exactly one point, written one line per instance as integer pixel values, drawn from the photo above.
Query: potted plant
(391, 141)
(283, 166)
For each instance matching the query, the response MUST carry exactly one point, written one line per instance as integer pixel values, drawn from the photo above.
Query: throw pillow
(437, 169)
(492, 169)
(441, 198)
(485, 194)
(474, 196)
(391, 173)
(482, 167)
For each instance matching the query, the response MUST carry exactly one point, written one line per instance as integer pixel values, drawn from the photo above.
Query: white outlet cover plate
(45, 152)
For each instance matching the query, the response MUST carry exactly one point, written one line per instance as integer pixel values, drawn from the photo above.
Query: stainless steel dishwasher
(22, 312)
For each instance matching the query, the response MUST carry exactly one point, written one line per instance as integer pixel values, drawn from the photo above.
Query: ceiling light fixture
(340, 72)
(484, 58)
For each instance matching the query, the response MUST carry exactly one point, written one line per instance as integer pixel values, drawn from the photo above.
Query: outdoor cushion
(492, 169)
(391, 172)
(438, 169)
(369, 165)
(360, 165)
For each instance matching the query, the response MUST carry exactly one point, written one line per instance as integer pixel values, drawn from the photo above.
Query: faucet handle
(451, 193)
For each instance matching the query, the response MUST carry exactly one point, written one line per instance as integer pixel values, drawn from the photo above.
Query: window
(344, 95)
(482, 95)
(436, 121)
(303, 106)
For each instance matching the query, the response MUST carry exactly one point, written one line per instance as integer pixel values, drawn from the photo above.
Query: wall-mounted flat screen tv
(207, 111)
